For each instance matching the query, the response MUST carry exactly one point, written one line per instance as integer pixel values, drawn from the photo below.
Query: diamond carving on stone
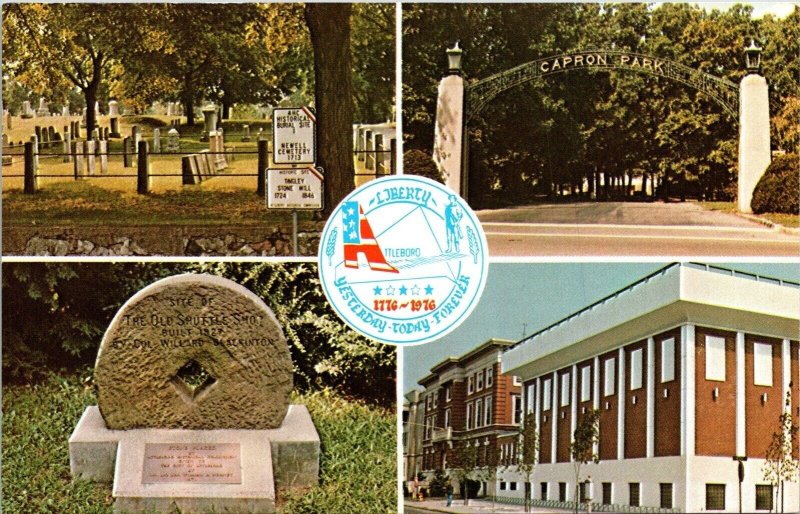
(193, 381)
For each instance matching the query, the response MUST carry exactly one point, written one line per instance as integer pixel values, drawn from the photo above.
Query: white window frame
(546, 394)
(478, 413)
(610, 377)
(489, 376)
(668, 363)
(715, 358)
(637, 371)
(529, 399)
(502, 485)
(512, 486)
(516, 381)
(469, 416)
(470, 385)
(762, 364)
(448, 392)
(487, 412)
(447, 418)
(516, 419)
(564, 400)
(586, 383)
(479, 381)
(436, 399)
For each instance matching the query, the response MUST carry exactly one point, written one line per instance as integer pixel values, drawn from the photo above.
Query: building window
(610, 378)
(428, 402)
(479, 381)
(447, 418)
(586, 383)
(512, 486)
(636, 369)
(469, 416)
(582, 492)
(565, 389)
(633, 494)
(763, 497)
(516, 381)
(562, 491)
(489, 377)
(428, 427)
(606, 493)
(546, 394)
(762, 365)
(487, 415)
(502, 486)
(715, 358)
(478, 413)
(529, 401)
(715, 496)
(435, 399)
(543, 490)
(668, 360)
(470, 385)
(448, 393)
(517, 402)
(666, 495)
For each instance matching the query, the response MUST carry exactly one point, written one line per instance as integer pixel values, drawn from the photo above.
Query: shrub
(779, 188)
(417, 162)
(439, 483)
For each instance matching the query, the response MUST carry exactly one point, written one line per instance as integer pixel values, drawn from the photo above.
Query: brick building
(464, 399)
(689, 368)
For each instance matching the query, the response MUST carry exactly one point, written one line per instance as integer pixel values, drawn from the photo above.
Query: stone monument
(113, 108)
(173, 140)
(209, 120)
(193, 378)
(449, 134)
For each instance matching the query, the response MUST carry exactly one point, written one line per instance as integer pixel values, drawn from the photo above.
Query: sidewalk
(475, 507)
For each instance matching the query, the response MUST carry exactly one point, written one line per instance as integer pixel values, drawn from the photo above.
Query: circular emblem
(403, 260)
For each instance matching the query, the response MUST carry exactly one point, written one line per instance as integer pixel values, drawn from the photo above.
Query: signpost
(740, 460)
(294, 143)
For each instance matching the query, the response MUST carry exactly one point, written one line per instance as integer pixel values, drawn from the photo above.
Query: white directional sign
(296, 188)
(294, 133)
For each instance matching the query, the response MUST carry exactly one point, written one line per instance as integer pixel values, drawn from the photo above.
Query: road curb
(769, 223)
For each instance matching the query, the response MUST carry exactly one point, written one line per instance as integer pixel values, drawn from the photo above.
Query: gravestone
(115, 127)
(43, 110)
(127, 153)
(65, 111)
(193, 377)
(113, 108)
(77, 163)
(27, 112)
(67, 145)
(156, 140)
(35, 141)
(103, 149)
(173, 141)
(89, 148)
(246, 136)
(9, 124)
(210, 120)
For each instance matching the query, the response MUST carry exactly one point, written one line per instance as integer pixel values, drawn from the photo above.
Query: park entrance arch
(747, 104)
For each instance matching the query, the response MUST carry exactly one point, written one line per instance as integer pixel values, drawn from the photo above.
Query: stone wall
(160, 240)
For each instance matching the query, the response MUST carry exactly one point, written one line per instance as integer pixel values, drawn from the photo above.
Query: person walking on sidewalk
(449, 492)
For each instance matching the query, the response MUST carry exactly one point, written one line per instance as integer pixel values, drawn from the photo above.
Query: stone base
(115, 135)
(283, 458)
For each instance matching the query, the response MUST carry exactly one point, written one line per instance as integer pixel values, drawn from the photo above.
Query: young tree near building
(781, 465)
(527, 449)
(585, 439)
(329, 26)
(465, 465)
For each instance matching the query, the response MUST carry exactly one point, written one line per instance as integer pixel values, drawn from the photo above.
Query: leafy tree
(781, 466)
(465, 465)
(583, 446)
(527, 450)
(438, 483)
(53, 47)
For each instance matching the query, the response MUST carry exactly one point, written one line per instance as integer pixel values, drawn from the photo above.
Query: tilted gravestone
(193, 378)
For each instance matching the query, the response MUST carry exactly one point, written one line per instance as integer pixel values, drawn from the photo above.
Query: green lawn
(787, 220)
(358, 462)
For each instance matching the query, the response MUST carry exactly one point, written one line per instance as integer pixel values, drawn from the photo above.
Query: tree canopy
(594, 132)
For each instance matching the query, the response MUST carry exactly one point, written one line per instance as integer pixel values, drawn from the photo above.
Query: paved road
(630, 229)
(476, 507)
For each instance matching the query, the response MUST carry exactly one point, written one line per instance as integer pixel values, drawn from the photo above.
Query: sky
(523, 298)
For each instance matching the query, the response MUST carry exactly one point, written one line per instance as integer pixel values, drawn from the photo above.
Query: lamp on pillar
(752, 57)
(454, 59)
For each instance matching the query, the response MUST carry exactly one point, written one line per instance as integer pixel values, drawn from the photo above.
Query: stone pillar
(246, 136)
(77, 149)
(67, 145)
(103, 149)
(449, 137)
(127, 153)
(210, 120)
(89, 152)
(35, 141)
(741, 427)
(113, 108)
(754, 144)
(156, 140)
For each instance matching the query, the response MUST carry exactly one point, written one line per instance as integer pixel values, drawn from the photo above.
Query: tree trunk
(90, 95)
(329, 25)
(226, 109)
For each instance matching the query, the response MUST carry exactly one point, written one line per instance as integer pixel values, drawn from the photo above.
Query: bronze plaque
(192, 463)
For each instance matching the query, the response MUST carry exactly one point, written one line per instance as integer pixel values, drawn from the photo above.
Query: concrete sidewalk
(475, 507)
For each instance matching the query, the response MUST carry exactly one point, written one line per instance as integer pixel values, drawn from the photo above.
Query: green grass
(357, 467)
(787, 220)
(85, 204)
